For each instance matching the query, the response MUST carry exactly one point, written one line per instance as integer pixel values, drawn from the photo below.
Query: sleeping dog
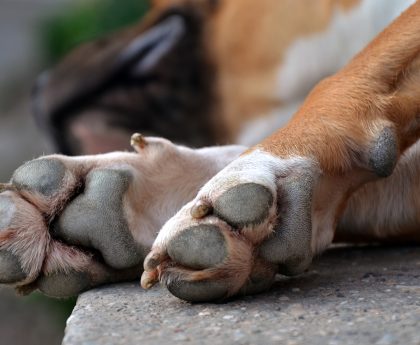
(344, 168)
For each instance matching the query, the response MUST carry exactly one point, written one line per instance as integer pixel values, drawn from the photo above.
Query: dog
(345, 167)
(201, 72)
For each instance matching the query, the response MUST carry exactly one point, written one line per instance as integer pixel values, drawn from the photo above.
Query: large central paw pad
(96, 219)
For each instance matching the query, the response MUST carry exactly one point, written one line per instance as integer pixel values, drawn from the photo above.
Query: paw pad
(244, 204)
(7, 212)
(62, 285)
(198, 247)
(384, 153)
(199, 291)
(43, 175)
(96, 219)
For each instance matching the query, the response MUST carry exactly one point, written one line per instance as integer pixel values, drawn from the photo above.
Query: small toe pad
(43, 175)
(199, 291)
(244, 204)
(198, 247)
(10, 269)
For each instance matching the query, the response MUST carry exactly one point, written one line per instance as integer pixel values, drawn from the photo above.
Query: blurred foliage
(85, 20)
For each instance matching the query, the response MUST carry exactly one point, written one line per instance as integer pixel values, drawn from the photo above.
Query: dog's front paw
(68, 224)
(247, 222)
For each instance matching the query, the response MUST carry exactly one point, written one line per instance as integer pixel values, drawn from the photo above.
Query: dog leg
(277, 206)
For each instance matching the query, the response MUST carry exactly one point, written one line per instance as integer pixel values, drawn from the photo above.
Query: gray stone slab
(349, 296)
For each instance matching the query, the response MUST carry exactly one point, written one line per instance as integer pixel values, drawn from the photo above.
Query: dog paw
(68, 224)
(250, 221)
(65, 223)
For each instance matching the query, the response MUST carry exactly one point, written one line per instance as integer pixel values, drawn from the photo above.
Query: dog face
(153, 77)
(194, 71)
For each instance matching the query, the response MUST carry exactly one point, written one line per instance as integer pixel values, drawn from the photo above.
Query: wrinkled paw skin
(245, 223)
(64, 227)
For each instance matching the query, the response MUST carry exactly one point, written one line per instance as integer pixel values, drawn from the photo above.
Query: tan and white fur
(352, 129)
(335, 170)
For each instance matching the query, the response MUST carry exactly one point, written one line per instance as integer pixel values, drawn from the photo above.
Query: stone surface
(363, 295)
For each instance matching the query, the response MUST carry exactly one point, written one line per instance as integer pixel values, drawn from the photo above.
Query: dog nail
(138, 141)
(200, 209)
(153, 260)
(149, 279)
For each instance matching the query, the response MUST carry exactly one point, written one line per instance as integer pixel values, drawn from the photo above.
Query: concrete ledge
(350, 296)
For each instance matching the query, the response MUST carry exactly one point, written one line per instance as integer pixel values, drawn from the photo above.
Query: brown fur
(219, 76)
(339, 120)
(335, 127)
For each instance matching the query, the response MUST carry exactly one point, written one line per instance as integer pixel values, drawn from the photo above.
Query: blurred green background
(35, 34)
(84, 21)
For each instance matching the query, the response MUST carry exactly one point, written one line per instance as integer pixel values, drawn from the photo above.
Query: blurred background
(34, 34)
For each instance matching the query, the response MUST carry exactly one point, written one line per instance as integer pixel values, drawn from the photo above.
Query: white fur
(258, 167)
(261, 127)
(172, 183)
(310, 59)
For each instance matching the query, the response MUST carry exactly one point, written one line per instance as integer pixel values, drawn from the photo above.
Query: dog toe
(244, 204)
(198, 247)
(44, 176)
(64, 284)
(197, 291)
(199, 262)
(11, 271)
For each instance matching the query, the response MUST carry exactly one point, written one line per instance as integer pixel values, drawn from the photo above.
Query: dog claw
(153, 260)
(150, 276)
(201, 209)
(149, 279)
(138, 141)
